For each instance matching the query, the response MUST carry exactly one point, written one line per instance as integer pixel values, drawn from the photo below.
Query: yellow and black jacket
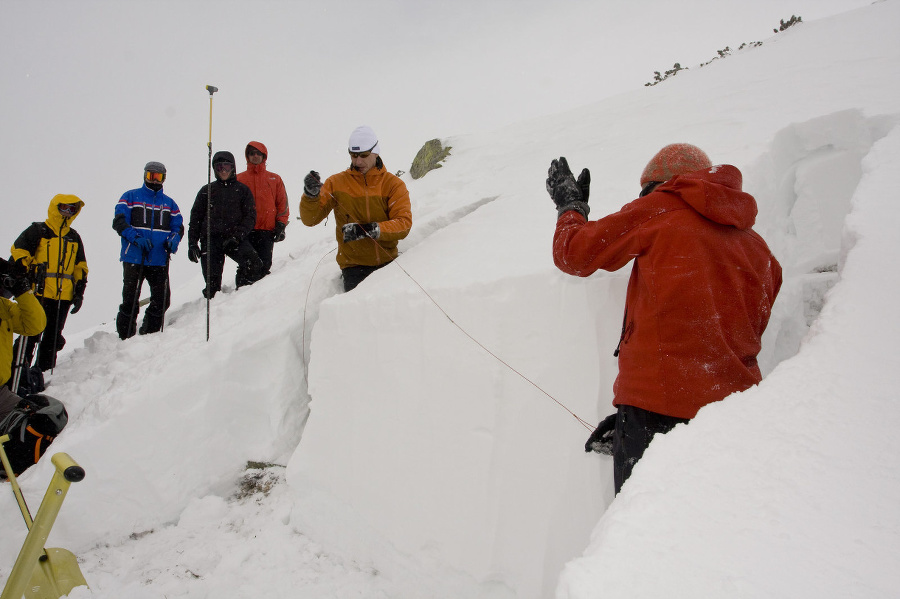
(23, 316)
(53, 253)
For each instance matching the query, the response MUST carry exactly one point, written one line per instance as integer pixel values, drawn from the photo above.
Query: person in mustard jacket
(53, 253)
(371, 208)
(699, 298)
(272, 212)
(21, 313)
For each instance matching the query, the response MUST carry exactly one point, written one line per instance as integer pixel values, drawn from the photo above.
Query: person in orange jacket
(699, 298)
(272, 212)
(371, 207)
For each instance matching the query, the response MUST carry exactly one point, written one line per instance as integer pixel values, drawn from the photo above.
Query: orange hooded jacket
(700, 293)
(268, 191)
(376, 197)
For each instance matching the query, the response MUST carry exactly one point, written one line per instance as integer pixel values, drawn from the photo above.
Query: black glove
(602, 438)
(584, 183)
(79, 296)
(143, 242)
(566, 192)
(354, 231)
(231, 244)
(172, 242)
(14, 277)
(312, 183)
(194, 252)
(279, 231)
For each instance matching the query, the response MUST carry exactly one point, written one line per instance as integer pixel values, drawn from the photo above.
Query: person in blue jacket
(150, 225)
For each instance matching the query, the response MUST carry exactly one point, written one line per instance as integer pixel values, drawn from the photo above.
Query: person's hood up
(55, 220)
(715, 192)
(224, 156)
(259, 146)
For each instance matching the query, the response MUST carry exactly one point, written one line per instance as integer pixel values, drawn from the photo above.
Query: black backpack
(32, 425)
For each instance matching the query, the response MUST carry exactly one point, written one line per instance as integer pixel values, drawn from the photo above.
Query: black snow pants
(635, 428)
(354, 275)
(133, 277)
(249, 266)
(51, 340)
(264, 243)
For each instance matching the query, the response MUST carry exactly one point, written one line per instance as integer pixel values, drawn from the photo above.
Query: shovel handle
(68, 468)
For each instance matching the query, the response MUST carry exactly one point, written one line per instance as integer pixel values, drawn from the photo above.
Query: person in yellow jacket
(371, 208)
(53, 253)
(20, 313)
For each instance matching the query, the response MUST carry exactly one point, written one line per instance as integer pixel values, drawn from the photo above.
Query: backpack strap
(37, 446)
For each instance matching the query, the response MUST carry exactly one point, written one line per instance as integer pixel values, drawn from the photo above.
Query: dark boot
(125, 325)
(152, 323)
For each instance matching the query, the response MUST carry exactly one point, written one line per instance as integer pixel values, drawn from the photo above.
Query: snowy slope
(471, 464)
(428, 467)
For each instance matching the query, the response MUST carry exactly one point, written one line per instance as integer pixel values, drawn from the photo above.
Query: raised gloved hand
(279, 231)
(143, 242)
(194, 252)
(14, 277)
(78, 299)
(566, 192)
(602, 438)
(231, 244)
(312, 183)
(354, 231)
(172, 242)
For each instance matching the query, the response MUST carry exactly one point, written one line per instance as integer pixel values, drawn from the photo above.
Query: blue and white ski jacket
(144, 212)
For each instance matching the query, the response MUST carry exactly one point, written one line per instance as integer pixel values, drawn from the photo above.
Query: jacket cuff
(578, 206)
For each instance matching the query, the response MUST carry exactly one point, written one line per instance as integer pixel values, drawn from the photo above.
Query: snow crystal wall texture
(444, 451)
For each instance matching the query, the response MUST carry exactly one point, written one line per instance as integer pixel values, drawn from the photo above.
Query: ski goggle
(365, 154)
(151, 177)
(68, 209)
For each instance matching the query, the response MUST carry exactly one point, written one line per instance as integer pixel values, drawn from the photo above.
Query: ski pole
(162, 326)
(211, 89)
(59, 279)
(20, 359)
(132, 321)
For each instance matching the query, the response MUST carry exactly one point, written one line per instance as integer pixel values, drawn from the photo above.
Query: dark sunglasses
(68, 209)
(222, 166)
(254, 152)
(360, 154)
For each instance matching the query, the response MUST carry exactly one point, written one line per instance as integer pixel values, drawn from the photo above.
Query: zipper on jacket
(622, 336)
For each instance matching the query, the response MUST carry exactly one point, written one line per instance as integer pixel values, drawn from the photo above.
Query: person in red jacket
(699, 298)
(272, 212)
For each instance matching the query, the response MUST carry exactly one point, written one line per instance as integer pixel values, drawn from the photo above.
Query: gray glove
(602, 438)
(354, 231)
(312, 183)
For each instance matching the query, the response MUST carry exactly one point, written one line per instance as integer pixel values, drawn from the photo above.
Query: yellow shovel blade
(56, 574)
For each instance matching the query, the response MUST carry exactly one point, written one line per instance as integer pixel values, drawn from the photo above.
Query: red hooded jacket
(700, 294)
(268, 191)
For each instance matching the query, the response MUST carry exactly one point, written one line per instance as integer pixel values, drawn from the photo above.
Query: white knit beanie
(363, 139)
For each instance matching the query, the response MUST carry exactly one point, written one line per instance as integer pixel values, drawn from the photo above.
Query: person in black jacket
(232, 215)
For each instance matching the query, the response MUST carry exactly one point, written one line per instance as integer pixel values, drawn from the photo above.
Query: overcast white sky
(93, 90)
